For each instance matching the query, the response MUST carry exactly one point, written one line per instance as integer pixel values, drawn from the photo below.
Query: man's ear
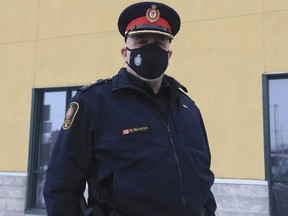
(124, 53)
(170, 54)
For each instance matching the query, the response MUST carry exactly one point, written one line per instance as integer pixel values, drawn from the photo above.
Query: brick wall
(234, 197)
(241, 197)
(12, 193)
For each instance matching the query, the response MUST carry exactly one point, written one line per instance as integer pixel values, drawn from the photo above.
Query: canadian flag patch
(134, 130)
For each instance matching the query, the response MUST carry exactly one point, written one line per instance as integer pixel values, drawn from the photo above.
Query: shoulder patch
(70, 115)
(84, 88)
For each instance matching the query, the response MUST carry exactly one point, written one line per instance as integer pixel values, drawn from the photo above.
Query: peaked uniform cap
(149, 18)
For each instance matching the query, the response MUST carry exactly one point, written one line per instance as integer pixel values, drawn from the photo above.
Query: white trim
(13, 174)
(217, 180)
(28, 214)
(241, 181)
(276, 72)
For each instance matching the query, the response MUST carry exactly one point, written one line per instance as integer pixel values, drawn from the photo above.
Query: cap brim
(139, 32)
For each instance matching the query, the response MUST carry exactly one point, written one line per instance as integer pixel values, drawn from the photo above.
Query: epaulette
(97, 82)
(184, 91)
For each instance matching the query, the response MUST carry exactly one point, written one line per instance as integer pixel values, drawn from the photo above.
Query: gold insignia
(152, 14)
(70, 115)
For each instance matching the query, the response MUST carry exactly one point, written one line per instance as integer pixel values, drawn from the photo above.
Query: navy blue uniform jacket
(135, 159)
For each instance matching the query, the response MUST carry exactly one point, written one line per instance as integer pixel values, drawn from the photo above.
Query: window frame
(266, 127)
(34, 145)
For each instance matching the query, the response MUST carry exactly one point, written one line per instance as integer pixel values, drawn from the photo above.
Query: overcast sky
(278, 99)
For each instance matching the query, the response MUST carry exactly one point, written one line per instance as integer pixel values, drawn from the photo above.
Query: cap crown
(149, 18)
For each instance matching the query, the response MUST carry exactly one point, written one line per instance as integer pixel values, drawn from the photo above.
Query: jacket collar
(122, 81)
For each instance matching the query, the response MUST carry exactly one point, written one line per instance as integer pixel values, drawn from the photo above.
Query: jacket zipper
(166, 124)
(162, 116)
(179, 169)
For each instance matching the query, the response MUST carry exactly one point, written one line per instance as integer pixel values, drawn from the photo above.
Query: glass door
(277, 142)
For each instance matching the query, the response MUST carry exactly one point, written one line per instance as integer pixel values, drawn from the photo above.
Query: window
(48, 111)
(275, 91)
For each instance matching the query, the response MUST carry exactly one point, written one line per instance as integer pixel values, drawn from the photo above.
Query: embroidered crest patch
(138, 60)
(70, 115)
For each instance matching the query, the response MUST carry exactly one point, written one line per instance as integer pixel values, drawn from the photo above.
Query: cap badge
(138, 60)
(152, 14)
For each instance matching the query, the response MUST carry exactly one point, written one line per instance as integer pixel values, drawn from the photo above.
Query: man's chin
(131, 71)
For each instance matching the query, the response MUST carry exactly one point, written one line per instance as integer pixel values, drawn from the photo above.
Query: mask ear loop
(130, 57)
(128, 49)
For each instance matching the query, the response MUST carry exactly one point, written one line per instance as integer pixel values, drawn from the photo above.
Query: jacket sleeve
(70, 163)
(210, 205)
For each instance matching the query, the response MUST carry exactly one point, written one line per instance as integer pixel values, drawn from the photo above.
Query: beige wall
(219, 55)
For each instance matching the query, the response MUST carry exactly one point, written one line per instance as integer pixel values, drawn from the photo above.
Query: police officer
(137, 139)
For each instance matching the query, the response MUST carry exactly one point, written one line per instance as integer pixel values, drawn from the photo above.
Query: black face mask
(149, 61)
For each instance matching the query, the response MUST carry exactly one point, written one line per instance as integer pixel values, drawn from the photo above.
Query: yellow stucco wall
(220, 53)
